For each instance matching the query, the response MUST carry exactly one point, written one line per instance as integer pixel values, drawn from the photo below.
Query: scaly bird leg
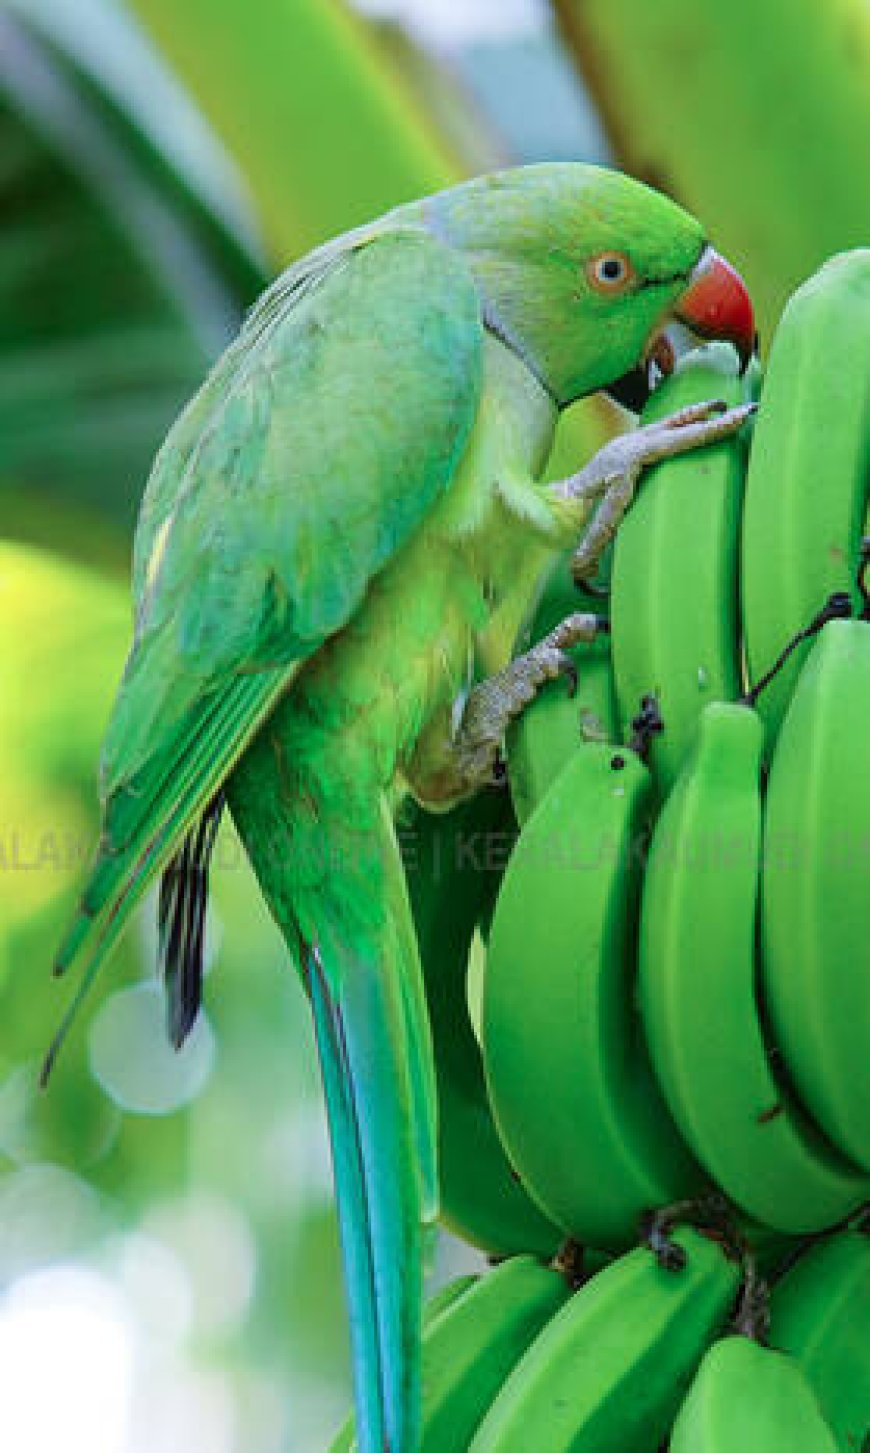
(489, 708)
(460, 761)
(610, 478)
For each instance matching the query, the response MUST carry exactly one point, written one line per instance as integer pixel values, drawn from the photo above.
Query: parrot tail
(181, 922)
(361, 1031)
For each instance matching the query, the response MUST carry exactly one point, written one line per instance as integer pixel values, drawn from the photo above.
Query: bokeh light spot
(66, 1364)
(133, 1060)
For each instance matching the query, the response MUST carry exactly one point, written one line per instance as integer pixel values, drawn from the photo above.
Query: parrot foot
(610, 478)
(491, 706)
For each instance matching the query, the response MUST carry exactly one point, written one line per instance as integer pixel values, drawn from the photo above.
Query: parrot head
(582, 269)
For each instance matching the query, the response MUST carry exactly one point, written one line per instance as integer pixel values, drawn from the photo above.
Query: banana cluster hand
(698, 991)
(568, 1074)
(608, 1371)
(815, 907)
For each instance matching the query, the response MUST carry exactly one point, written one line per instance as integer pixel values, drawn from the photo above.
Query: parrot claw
(492, 705)
(610, 478)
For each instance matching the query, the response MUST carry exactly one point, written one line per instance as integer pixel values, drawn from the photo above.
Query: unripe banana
(806, 488)
(815, 916)
(820, 1313)
(446, 1296)
(674, 605)
(556, 724)
(453, 864)
(471, 1347)
(698, 991)
(607, 1374)
(747, 1399)
(569, 1079)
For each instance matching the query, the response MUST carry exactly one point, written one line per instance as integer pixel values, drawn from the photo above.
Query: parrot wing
(317, 445)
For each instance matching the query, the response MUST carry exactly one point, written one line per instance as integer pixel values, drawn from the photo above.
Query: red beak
(717, 305)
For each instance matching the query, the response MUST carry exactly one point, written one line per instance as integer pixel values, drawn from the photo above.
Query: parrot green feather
(328, 530)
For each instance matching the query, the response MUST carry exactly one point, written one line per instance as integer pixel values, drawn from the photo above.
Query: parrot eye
(609, 272)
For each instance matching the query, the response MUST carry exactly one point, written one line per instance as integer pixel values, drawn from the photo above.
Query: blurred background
(169, 1273)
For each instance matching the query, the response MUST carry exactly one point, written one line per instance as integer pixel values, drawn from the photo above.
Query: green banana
(814, 917)
(446, 1296)
(551, 729)
(820, 1313)
(471, 1347)
(747, 1399)
(806, 488)
(569, 1080)
(674, 601)
(453, 864)
(607, 1374)
(698, 991)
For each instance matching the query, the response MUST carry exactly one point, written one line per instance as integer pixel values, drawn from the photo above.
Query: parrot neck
(498, 328)
(506, 450)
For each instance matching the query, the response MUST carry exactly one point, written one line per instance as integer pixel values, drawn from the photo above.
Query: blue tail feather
(359, 1024)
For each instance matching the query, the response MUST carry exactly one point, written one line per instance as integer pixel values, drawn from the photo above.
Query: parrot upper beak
(717, 305)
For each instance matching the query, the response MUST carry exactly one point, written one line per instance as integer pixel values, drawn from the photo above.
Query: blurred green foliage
(128, 253)
(327, 134)
(118, 280)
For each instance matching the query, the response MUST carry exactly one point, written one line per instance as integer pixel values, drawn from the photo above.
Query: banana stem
(862, 577)
(645, 726)
(752, 1318)
(712, 1213)
(570, 1262)
(837, 607)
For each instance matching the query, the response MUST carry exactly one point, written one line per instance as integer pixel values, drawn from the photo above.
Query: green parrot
(328, 531)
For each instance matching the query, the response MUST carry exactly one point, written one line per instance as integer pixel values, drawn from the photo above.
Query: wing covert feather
(320, 446)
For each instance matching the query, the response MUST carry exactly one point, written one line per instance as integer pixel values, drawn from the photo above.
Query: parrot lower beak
(632, 390)
(717, 305)
(635, 387)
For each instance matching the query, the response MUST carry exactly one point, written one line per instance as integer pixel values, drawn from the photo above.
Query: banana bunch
(672, 909)
(647, 1349)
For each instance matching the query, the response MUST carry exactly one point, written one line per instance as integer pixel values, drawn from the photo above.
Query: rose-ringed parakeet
(327, 531)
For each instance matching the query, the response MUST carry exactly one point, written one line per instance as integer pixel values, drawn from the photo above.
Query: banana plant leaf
(119, 283)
